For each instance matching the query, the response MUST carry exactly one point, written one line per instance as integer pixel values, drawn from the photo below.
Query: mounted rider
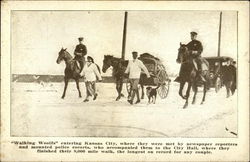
(195, 47)
(80, 52)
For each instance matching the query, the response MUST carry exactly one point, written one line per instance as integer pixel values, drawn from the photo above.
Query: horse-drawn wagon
(215, 71)
(158, 75)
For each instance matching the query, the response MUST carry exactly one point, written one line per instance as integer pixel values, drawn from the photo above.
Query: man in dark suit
(234, 73)
(229, 76)
(80, 52)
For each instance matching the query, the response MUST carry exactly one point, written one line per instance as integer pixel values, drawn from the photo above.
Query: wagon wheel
(164, 82)
(218, 84)
(163, 90)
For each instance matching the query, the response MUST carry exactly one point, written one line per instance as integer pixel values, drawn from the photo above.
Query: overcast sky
(38, 36)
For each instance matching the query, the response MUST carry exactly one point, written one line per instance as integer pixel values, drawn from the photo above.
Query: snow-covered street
(38, 110)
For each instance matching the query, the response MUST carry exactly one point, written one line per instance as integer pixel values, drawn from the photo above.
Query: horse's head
(107, 62)
(182, 53)
(61, 55)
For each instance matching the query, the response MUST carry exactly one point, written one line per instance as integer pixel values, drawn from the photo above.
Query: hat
(193, 33)
(134, 52)
(80, 38)
(91, 59)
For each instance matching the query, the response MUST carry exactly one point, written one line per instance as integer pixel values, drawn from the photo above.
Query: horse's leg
(142, 91)
(233, 87)
(195, 93)
(78, 88)
(118, 89)
(227, 88)
(204, 93)
(187, 95)
(181, 88)
(66, 80)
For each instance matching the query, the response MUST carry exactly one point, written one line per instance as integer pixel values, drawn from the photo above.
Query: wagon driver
(80, 52)
(134, 70)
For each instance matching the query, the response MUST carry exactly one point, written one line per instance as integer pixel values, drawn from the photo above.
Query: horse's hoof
(62, 97)
(202, 103)
(80, 96)
(185, 106)
(117, 99)
(193, 102)
(122, 95)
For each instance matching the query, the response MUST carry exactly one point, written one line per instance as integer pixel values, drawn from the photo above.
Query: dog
(152, 94)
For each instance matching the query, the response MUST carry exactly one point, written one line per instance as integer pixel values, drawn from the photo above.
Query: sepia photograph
(124, 81)
(124, 73)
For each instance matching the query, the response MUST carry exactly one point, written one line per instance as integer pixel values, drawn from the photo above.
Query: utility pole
(124, 35)
(219, 35)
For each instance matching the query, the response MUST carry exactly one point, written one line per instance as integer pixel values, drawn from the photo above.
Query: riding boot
(201, 77)
(200, 73)
(81, 65)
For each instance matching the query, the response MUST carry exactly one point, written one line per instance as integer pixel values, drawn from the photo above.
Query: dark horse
(71, 71)
(119, 66)
(189, 74)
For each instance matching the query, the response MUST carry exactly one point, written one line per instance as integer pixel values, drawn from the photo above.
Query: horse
(189, 74)
(72, 71)
(119, 66)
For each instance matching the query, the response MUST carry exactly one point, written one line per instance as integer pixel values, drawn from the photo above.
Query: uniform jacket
(134, 69)
(195, 45)
(80, 50)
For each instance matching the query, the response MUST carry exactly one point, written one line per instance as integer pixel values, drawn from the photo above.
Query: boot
(178, 79)
(201, 76)
(132, 97)
(138, 97)
(200, 72)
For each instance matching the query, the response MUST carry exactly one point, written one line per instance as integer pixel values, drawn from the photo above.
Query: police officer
(196, 48)
(80, 52)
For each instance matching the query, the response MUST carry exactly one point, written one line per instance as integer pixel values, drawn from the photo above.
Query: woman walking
(90, 73)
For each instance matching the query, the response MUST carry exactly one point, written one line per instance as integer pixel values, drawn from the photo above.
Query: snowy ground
(38, 110)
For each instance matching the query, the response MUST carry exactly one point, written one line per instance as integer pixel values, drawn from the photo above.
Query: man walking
(134, 70)
(90, 73)
(80, 52)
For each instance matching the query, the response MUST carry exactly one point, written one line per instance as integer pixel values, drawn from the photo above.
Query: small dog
(152, 94)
